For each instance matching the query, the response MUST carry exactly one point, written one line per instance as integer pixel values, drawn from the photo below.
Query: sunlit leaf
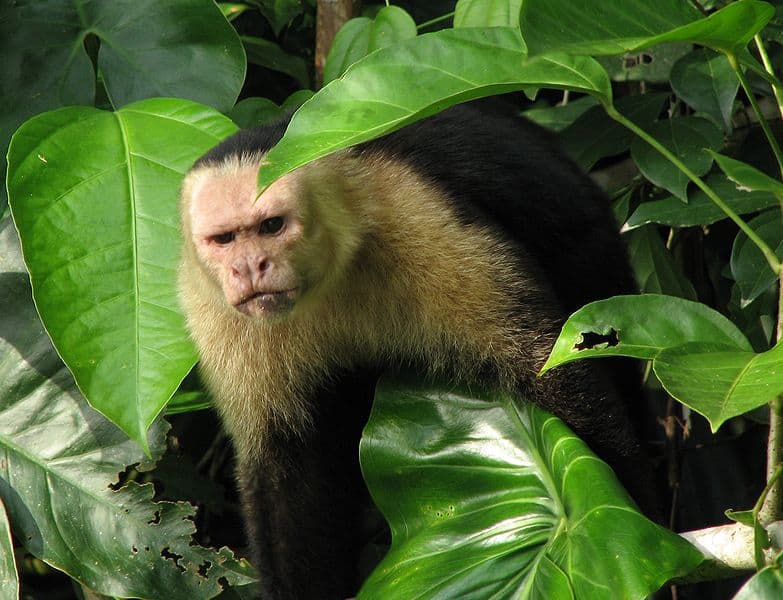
(400, 84)
(488, 498)
(94, 197)
(595, 27)
(641, 327)
(487, 13)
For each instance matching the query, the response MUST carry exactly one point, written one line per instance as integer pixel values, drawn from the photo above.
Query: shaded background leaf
(705, 81)
(700, 210)
(749, 268)
(688, 138)
(361, 36)
(144, 48)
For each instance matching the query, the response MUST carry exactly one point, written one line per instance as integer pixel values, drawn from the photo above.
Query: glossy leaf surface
(60, 465)
(487, 13)
(402, 83)
(490, 499)
(767, 584)
(95, 198)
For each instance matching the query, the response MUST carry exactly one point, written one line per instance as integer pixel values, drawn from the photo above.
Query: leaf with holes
(94, 197)
(60, 461)
(488, 497)
(641, 327)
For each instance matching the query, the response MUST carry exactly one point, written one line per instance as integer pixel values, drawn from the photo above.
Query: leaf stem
(769, 255)
(436, 20)
(777, 88)
(773, 142)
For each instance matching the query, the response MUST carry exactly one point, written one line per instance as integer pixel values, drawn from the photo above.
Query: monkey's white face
(249, 245)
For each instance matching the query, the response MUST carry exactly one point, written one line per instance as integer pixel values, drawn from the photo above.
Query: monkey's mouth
(268, 302)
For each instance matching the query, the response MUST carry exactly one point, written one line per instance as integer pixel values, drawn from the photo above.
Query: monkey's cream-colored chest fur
(418, 285)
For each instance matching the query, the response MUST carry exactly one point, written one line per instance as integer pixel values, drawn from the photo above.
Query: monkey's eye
(271, 225)
(223, 238)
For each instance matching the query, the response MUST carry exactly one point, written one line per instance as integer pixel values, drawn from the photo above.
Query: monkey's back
(509, 174)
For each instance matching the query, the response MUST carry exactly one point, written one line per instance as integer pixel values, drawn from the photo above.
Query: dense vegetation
(675, 105)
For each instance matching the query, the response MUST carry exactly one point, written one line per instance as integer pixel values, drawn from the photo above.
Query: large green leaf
(488, 498)
(9, 578)
(94, 197)
(177, 48)
(687, 138)
(641, 327)
(719, 381)
(748, 266)
(397, 85)
(700, 210)
(596, 27)
(59, 470)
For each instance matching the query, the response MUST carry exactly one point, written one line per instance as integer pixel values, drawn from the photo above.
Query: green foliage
(63, 458)
(109, 300)
(93, 191)
(493, 505)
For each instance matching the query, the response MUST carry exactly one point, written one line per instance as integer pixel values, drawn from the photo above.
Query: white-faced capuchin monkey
(457, 245)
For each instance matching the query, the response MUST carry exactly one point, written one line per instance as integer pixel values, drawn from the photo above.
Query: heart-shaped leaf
(94, 197)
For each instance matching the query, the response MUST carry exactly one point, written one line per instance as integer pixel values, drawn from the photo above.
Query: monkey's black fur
(302, 506)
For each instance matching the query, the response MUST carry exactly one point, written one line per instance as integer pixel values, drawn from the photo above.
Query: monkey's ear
(503, 478)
